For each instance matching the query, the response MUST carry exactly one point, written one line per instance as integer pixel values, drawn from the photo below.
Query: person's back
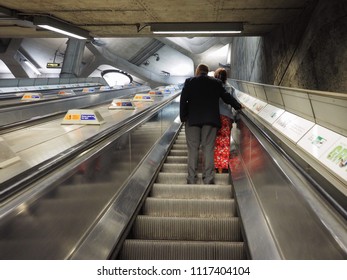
(199, 109)
(203, 94)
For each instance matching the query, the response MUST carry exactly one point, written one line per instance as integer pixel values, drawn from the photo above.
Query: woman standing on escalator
(222, 143)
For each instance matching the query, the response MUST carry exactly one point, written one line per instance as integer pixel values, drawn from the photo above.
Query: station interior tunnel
(117, 189)
(120, 192)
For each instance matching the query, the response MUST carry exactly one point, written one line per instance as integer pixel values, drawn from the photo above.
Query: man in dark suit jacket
(199, 109)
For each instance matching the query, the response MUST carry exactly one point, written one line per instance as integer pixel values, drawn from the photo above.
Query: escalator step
(174, 167)
(181, 178)
(181, 141)
(179, 147)
(192, 191)
(176, 228)
(189, 208)
(176, 159)
(178, 153)
(181, 250)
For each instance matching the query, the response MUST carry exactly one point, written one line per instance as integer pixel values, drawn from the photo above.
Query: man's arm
(229, 99)
(184, 102)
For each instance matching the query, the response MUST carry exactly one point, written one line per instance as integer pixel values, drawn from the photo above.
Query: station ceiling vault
(131, 18)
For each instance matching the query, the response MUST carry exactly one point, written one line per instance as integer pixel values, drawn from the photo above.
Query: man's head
(201, 69)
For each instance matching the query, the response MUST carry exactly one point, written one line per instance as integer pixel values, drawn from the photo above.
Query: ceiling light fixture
(32, 67)
(28, 62)
(197, 28)
(60, 27)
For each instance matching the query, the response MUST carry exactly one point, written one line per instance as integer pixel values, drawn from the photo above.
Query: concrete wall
(310, 52)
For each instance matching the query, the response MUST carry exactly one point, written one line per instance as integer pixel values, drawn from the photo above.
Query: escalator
(180, 221)
(51, 226)
(126, 197)
(278, 215)
(47, 210)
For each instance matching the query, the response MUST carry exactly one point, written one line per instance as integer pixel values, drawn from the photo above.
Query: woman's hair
(221, 74)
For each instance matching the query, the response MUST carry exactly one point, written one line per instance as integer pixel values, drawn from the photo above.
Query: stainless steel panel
(331, 113)
(303, 225)
(260, 92)
(241, 86)
(297, 103)
(327, 109)
(251, 90)
(274, 96)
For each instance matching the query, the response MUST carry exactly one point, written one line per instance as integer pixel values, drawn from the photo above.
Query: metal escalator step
(177, 228)
(174, 167)
(171, 178)
(189, 207)
(181, 178)
(192, 191)
(179, 147)
(176, 159)
(134, 249)
(178, 153)
(181, 141)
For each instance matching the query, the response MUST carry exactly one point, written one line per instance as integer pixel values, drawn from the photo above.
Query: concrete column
(9, 55)
(73, 58)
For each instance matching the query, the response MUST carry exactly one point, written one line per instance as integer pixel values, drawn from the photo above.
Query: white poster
(270, 113)
(244, 98)
(239, 94)
(293, 126)
(248, 101)
(257, 105)
(335, 158)
(318, 140)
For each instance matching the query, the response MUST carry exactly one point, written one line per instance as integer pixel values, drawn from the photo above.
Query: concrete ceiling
(124, 18)
(121, 29)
